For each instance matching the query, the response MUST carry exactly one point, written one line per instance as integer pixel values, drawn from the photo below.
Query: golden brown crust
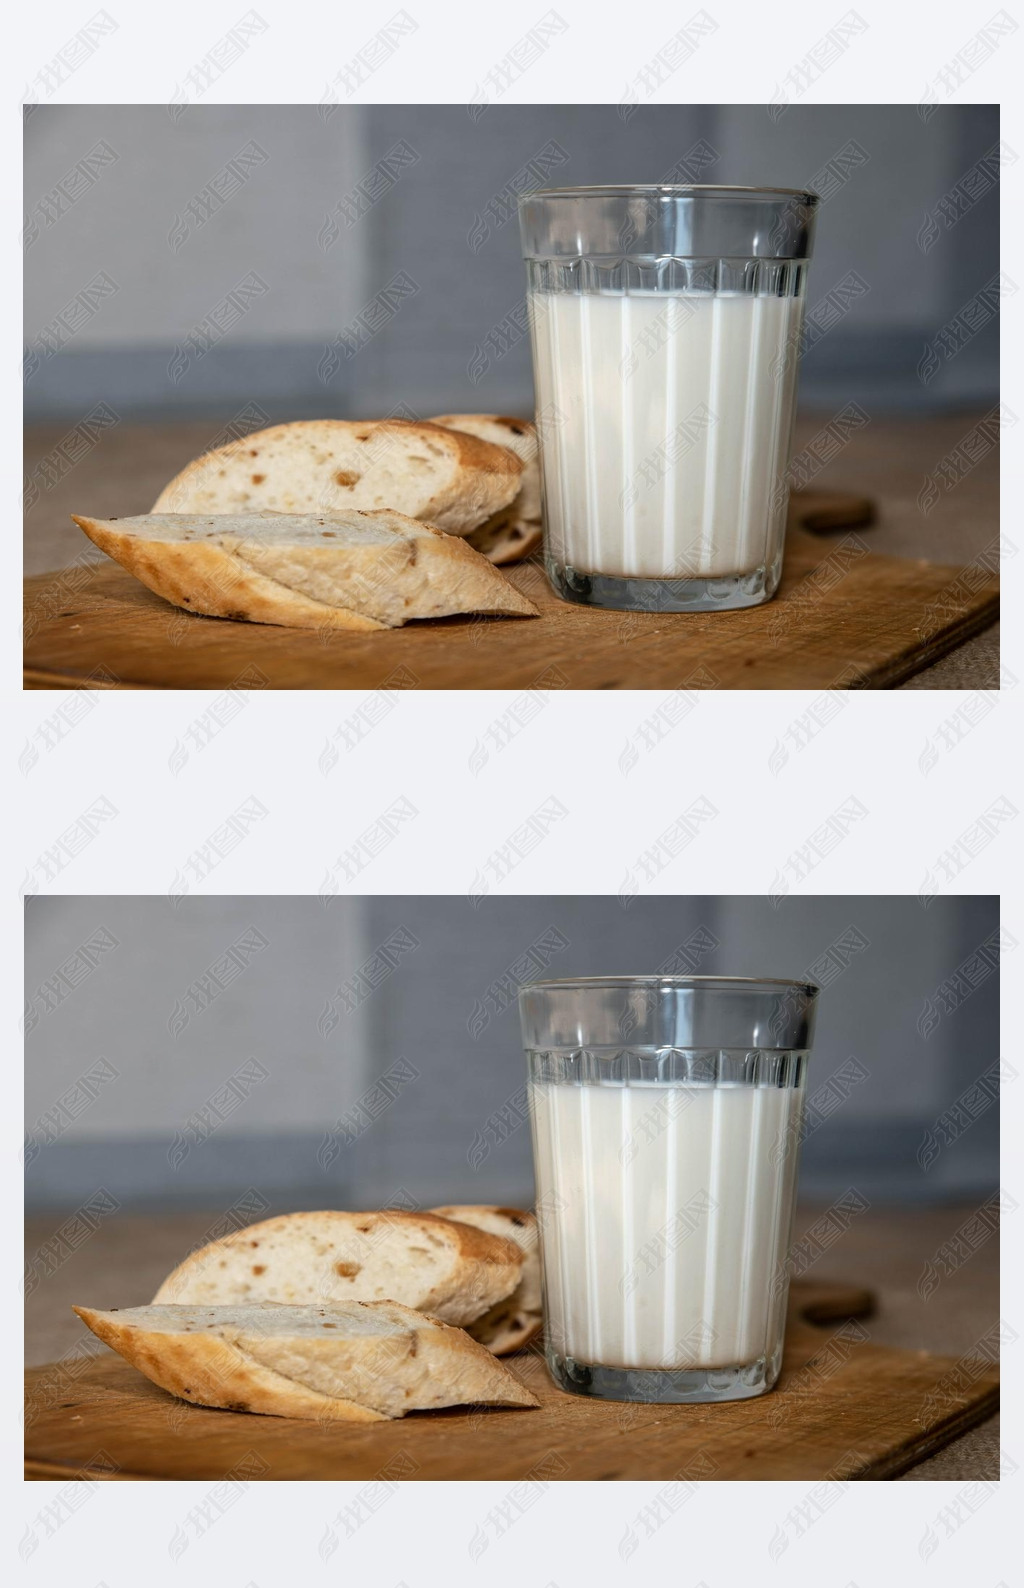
(517, 427)
(509, 540)
(471, 454)
(513, 532)
(257, 1359)
(506, 1328)
(249, 579)
(474, 453)
(476, 1244)
(516, 1320)
(480, 1267)
(204, 578)
(209, 1371)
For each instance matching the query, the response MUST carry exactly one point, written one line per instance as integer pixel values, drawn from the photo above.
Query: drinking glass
(666, 1127)
(666, 325)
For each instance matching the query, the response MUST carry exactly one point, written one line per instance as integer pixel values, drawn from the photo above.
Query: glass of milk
(666, 1118)
(666, 326)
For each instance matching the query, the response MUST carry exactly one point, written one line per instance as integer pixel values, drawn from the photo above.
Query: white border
(721, 1536)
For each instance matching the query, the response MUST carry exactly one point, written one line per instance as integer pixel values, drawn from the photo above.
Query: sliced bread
(346, 570)
(515, 1321)
(513, 532)
(445, 477)
(503, 540)
(347, 1361)
(455, 1271)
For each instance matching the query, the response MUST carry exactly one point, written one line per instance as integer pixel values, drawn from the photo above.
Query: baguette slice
(503, 540)
(515, 531)
(346, 570)
(453, 1271)
(444, 477)
(350, 1361)
(514, 1322)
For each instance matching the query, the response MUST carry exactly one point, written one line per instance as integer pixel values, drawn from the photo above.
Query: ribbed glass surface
(764, 278)
(665, 1218)
(670, 1066)
(666, 325)
(666, 1117)
(666, 395)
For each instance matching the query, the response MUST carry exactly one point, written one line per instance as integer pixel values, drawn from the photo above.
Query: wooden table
(883, 1251)
(887, 460)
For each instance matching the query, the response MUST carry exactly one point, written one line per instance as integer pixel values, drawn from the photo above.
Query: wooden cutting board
(844, 1408)
(843, 618)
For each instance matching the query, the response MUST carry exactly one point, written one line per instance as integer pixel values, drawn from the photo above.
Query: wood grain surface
(843, 618)
(844, 1408)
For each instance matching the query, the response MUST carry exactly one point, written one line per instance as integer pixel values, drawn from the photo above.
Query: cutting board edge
(934, 1439)
(889, 675)
(38, 678)
(37, 1471)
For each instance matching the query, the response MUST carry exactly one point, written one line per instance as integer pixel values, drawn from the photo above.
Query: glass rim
(727, 982)
(670, 190)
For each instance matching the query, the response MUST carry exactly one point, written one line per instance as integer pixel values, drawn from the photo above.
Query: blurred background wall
(180, 1054)
(184, 262)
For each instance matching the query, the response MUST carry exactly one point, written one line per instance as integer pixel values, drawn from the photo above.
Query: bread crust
(514, 532)
(221, 1374)
(259, 1359)
(479, 1268)
(202, 577)
(517, 1319)
(420, 572)
(503, 540)
(481, 478)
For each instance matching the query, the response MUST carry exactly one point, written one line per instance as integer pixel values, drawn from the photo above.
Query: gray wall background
(425, 219)
(441, 1001)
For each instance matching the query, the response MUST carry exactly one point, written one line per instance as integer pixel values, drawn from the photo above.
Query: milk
(665, 422)
(665, 1219)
